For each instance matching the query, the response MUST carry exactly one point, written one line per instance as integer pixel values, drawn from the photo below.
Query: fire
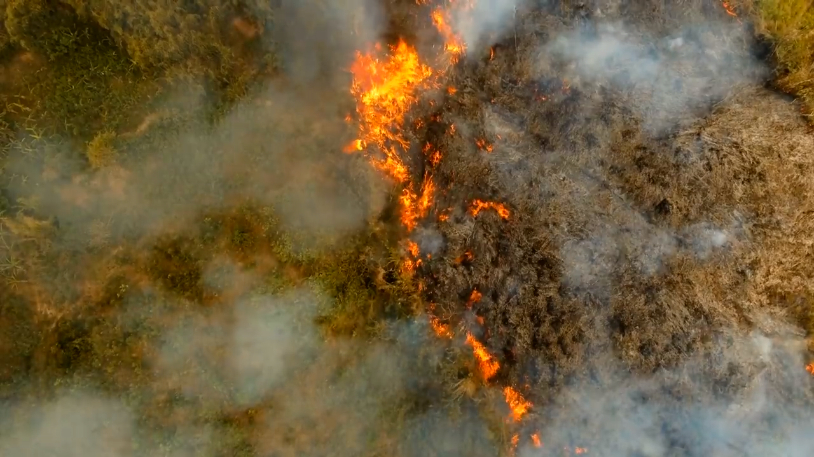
(810, 368)
(412, 248)
(729, 9)
(535, 440)
(484, 145)
(354, 146)
(385, 90)
(414, 207)
(425, 201)
(465, 257)
(440, 329)
(479, 205)
(453, 44)
(519, 405)
(487, 364)
(474, 298)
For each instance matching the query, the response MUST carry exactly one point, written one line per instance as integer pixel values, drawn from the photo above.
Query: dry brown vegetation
(188, 258)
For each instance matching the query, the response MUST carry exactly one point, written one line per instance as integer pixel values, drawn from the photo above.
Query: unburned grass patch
(789, 25)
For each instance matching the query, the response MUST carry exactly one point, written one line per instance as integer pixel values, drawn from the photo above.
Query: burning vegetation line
(386, 86)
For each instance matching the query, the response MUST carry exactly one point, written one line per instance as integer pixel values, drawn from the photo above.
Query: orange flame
(465, 257)
(385, 91)
(414, 207)
(483, 145)
(479, 205)
(519, 405)
(810, 368)
(427, 191)
(412, 248)
(440, 329)
(474, 298)
(452, 42)
(487, 364)
(729, 9)
(535, 440)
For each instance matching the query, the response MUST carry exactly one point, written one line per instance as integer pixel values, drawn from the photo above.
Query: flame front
(386, 86)
(487, 365)
(385, 91)
(480, 205)
(453, 44)
(519, 405)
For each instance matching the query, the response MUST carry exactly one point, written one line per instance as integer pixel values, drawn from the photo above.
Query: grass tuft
(101, 150)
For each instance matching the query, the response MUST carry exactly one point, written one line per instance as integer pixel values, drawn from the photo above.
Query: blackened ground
(648, 210)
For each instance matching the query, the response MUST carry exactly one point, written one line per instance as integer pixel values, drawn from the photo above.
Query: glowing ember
(465, 257)
(433, 155)
(480, 205)
(535, 440)
(474, 298)
(440, 329)
(519, 405)
(483, 145)
(487, 364)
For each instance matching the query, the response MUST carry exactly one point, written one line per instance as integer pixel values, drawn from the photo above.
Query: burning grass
(535, 241)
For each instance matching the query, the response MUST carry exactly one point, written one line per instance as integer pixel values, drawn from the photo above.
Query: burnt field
(403, 227)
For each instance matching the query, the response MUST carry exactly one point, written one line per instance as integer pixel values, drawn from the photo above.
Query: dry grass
(789, 25)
